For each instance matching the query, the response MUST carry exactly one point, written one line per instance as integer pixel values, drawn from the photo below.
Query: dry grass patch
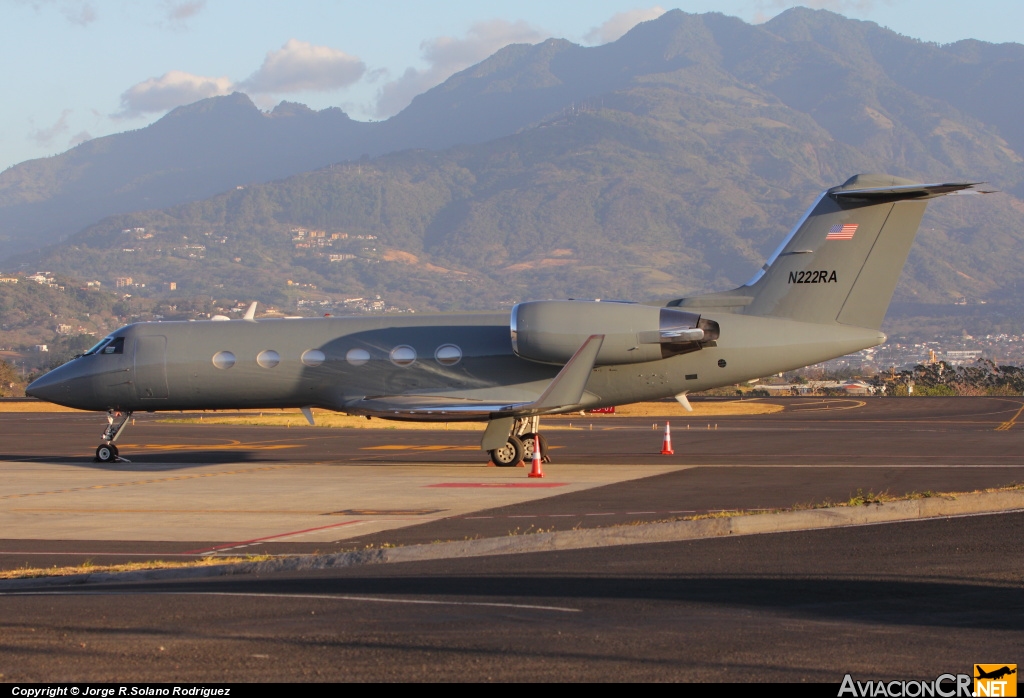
(33, 406)
(323, 418)
(717, 408)
(326, 418)
(88, 568)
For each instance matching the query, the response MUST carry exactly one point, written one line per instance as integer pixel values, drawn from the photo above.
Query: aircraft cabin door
(151, 367)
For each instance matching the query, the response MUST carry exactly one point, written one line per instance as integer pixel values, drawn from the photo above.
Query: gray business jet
(822, 294)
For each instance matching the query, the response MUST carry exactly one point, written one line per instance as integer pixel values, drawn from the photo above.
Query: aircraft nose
(59, 386)
(49, 387)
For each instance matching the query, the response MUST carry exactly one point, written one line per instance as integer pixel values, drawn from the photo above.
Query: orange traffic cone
(666, 445)
(537, 458)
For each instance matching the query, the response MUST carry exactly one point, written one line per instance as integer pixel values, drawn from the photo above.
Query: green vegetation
(12, 382)
(984, 377)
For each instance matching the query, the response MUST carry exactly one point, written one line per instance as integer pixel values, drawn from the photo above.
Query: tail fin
(841, 262)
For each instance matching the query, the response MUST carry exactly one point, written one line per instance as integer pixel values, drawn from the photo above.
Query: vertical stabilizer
(841, 262)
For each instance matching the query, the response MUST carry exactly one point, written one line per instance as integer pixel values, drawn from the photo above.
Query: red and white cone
(537, 471)
(666, 445)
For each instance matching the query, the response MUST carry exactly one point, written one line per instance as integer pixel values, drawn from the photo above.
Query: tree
(12, 384)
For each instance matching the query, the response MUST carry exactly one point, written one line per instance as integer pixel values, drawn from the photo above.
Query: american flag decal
(841, 231)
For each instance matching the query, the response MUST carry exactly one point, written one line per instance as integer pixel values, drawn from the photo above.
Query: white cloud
(81, 13)
(180, 11)
(45, 136)
(621, 23)
(74, 11)
(300, 66)
(172, 89)
(447, 55)
(79, 138)
(297, 67)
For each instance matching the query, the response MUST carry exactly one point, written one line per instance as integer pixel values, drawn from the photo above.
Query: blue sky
(79, 69)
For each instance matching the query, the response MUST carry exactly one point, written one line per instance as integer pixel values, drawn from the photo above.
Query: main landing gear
(106, 452)
(519, 447)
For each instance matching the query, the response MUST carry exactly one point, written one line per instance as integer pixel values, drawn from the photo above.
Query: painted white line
(319, 597)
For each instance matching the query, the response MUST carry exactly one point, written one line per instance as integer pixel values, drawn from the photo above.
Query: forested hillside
(670, 161)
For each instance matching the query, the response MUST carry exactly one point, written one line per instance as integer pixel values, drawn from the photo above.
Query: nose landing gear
(106, 452)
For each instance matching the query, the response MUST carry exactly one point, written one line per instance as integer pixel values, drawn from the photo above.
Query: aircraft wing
(564, 393)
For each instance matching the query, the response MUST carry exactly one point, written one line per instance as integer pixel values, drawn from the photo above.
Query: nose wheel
(106, 452)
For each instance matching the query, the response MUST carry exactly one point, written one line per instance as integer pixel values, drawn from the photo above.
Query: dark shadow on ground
(890, 602)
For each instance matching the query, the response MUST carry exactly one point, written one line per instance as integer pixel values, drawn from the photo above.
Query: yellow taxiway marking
(1006, 426)
(258, 512)
(152, 481)
(414, 447)
(211, 447)
(828, 403)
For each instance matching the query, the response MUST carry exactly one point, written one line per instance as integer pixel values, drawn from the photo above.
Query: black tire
(527, 440)
(509, 455)
(106, 453)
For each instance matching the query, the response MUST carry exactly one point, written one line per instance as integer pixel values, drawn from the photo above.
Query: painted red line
(260, 540)
(105, 554)
(500, 484)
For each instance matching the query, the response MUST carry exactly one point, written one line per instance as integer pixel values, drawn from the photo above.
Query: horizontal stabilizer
(906, 191)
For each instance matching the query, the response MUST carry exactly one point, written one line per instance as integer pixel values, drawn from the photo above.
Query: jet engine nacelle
(551, 331)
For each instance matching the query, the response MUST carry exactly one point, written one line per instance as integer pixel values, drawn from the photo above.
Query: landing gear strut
(106, 452)
(519, 446)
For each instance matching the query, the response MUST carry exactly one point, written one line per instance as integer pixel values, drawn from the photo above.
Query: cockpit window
(108, 345)
(99, 345)
(116, 346)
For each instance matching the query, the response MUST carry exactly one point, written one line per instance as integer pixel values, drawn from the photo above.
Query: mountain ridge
(669, 161)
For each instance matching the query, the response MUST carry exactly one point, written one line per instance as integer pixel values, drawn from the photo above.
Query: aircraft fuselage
(335, 363)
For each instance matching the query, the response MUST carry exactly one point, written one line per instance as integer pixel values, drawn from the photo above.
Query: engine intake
(551, 331)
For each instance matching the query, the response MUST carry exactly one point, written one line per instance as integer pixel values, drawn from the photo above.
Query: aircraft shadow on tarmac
(166, 461)
(884, 602)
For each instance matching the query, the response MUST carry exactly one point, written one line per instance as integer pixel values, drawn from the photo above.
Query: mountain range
(671, 160)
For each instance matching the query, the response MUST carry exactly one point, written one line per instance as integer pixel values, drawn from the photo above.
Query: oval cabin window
(448, 355)
(223, 359)
(268, 358)
(357, 357)
(403, 355)
(313, 357)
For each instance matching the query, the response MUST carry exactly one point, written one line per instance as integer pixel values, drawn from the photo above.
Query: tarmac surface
(196, 490)
(906, 600)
